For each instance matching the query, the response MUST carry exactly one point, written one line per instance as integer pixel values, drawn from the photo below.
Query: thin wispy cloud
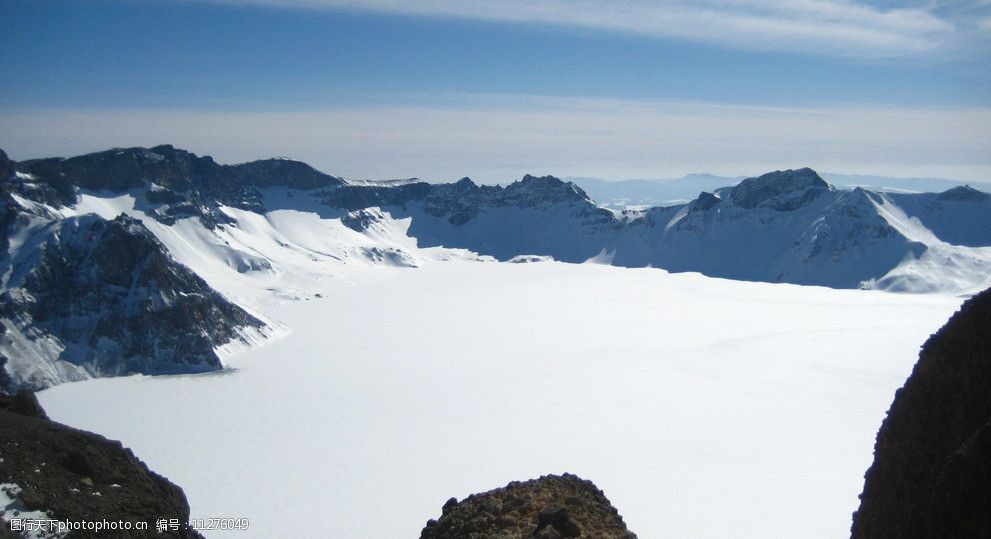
(835, 27)
(499, 138)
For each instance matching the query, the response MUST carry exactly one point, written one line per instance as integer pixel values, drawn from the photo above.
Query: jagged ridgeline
(786, 226)
(97, 295)
(174, 183)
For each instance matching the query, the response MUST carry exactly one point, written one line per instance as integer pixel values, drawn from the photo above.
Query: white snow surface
(942, 267)
(703, 407)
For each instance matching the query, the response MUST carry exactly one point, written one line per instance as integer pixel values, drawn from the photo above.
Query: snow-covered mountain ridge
(279, 230)
(638, 194)
(784, 226)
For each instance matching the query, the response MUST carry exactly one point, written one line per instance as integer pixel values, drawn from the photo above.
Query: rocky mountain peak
(543, 181)
(6, 166)
(120, 169)
(705, 201)
(464, 187)
(176, 170)
(283, 173)
(782, 190)
(964, 193)
(177, 183)
(548, 189)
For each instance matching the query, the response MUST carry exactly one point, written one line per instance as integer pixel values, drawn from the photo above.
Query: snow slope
(287, 253)
(942, 265)
(703, 407)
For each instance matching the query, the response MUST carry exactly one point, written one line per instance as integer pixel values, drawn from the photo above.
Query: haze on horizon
(492, 90)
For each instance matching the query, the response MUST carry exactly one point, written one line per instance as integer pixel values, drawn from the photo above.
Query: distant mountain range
(121, 261)
(627, 194)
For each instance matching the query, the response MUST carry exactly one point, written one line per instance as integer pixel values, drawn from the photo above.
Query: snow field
(702, 407)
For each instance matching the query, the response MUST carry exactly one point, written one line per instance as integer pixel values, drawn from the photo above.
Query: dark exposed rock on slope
(781, 190)
(6, 165)
(550, 507)
(282, 173)
(931, 475)
(74, 475)
(104, 298)
(83, 296)
(463, 200)
(177, 183)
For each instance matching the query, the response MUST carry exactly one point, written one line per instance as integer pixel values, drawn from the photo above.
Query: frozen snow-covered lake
(703, 407)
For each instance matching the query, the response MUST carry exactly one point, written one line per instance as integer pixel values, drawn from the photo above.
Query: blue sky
(442, 89)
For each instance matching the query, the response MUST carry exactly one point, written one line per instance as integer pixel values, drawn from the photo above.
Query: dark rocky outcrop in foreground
(931, 475)
(75, 475)
(550, 507)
